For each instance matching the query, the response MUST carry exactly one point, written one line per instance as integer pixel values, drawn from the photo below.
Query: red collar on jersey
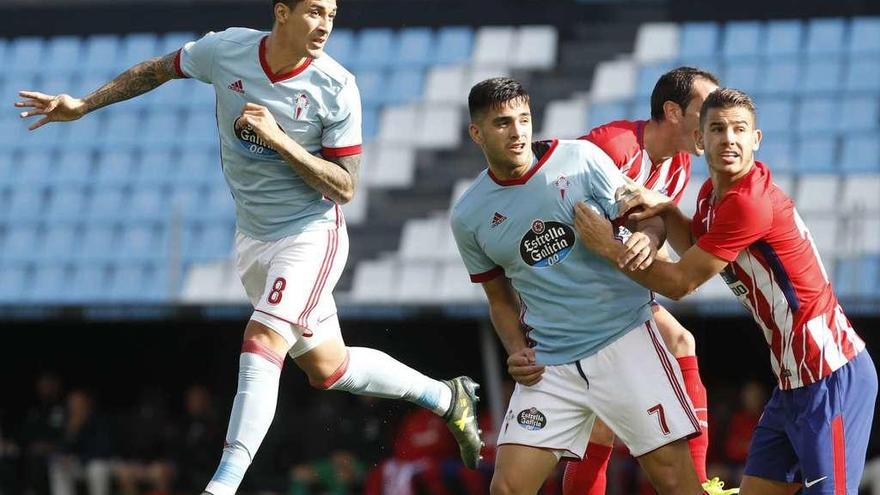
(283, 76)
(528, 175)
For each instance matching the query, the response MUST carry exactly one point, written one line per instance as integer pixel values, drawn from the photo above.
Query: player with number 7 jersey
(289, 119)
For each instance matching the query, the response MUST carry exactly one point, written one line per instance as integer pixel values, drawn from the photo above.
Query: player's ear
(282, 12)
(698, 139)
(672, 111)
(758, 137)
(476, 135)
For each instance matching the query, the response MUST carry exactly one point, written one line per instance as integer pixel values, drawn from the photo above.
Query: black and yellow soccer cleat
(462, 419)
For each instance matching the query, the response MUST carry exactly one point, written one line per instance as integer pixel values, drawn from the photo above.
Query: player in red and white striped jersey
(656, 154)
(814, 431)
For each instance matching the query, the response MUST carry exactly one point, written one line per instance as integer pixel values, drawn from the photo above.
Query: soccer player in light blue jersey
(579, 334)
(289, 119)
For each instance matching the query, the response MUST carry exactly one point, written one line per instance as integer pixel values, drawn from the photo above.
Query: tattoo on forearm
(141, 78)
(352, 165)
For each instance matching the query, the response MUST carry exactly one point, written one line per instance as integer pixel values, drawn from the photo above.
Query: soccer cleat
(715, 486)
(462, 419)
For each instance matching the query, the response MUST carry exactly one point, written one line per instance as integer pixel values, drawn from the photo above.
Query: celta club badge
(562, 184)
(300, 104)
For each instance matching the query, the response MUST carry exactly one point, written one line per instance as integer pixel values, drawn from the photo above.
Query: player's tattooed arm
(136, 81)
(63, 108)
(335, 178)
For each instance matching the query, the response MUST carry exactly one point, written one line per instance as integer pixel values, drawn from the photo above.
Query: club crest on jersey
(251, 142)
(301, 104)
(546, 243)
(562, 184)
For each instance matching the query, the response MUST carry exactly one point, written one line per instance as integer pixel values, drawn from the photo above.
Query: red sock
(587, 477)
(697, 392)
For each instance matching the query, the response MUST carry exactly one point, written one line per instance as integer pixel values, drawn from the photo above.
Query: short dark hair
(289, 3)
(728, 98)
(492, 93)
(676, 86)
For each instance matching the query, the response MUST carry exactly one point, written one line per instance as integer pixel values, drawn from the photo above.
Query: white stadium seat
(656, 42)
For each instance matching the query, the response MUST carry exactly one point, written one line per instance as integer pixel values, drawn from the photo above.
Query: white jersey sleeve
(604, 178)
(342, 131)
(196, 58)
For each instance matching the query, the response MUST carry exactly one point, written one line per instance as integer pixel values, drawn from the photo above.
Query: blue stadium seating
(374, 47)
(26, 204)
(600, 113)
(816, 155)
(340, 46)
(648, 75)
(63, 55)
(170, 42)
(861, 153)
(58, 244)
(777, 153)
(146, 203)
(783, 39)
(775, 116)
(107, 203)
(404, 86)
(864, 36)
(857, 276)
(157, 168)
(698, 40)
(136, 48)
(101, 52)
(115, 167)
(821, 76)
(25, 55)
(742, 39)
(98, 242)
(66, 203)
(49, 284)
(143, 241)
(863, 74)
(454, 45)
(825, 36)
(371, 84)
(13, 279)
(19, 242)
(34, 167)
(415, 48)
(817, 115)
(742, 75)
(74, 167)
(859, 113)
(89, 283)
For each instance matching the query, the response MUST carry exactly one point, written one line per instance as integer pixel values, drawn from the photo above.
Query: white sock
(374, 373)
(252, 412)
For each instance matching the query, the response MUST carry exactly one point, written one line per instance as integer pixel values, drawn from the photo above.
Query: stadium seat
(371, 84)
(146, 203)
(340, 46)
(355, 211)
(157, 168)
(35, 167)
(657, 42)
(50, 284)
(58, 244)
(493, 46)
(454, 45)
(218, 205)
(864, 38)
(370, 123)
(404, 86)
(25, 55)
(601, 113)
(415, 48)
(199, 167)
(742, 39)
(783, 39)
(125, 128)
(861, 153)
(440, 127)
(639, 108)
(825, 36)
(535, 48)
(775, 116)
(420, 238)
(816, 115)
(13, 282)
(169, 97)
(821, 76)
(416, 284)
(743, 75)
(777, 152)
(779, 78)
(74, 167)
(66, 203)
(211, 240)
(648, 76)
(396, 124)
(564, 119)
(26, 204)
(132, 283)
(458, 189)
(142, 241)
(868, 236)
(116, 168)
(817, 193)
(614, 80)
(374, 281)
(89, 284)
(863, 74)
(136, 48)
(784, 182)
(63, 56)
(106, 204)
(100, 242)
(7, 173)
(455, 286)
(698, 40)
(199, 130)
(445, 84)
(160, 129)
(19, 242)
(373, 47)
(861, 194)
(826, 233)
(816, 154)
(101, 52)
(174, 41)
(859, 113)
(84, 134)
(390, 166)
(857, 277)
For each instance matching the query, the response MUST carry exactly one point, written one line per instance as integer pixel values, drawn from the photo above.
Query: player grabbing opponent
(290, 135)
(814, 431)
(656, 154)
(596, 352)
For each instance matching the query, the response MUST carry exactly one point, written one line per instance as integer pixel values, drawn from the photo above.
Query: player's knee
(601, 434)
(324, 375)
(502, 485)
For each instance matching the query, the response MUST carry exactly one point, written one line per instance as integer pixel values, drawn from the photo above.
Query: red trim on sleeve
(340, 152)
(479, 278)
(285, 75)
(177, 64)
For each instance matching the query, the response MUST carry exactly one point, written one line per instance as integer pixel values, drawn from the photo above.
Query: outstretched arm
(335, 178)
(136, 81)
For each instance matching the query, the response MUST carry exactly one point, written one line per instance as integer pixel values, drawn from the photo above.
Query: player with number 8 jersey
(289, 119)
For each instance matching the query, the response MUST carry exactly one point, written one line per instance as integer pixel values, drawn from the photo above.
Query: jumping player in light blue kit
(594, 349)
(289, 119)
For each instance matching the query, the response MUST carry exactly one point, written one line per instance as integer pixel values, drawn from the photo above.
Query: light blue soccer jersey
(317, 105)
(574, 303)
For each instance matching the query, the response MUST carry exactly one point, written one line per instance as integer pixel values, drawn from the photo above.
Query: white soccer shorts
(290, 283)
(634, 385)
